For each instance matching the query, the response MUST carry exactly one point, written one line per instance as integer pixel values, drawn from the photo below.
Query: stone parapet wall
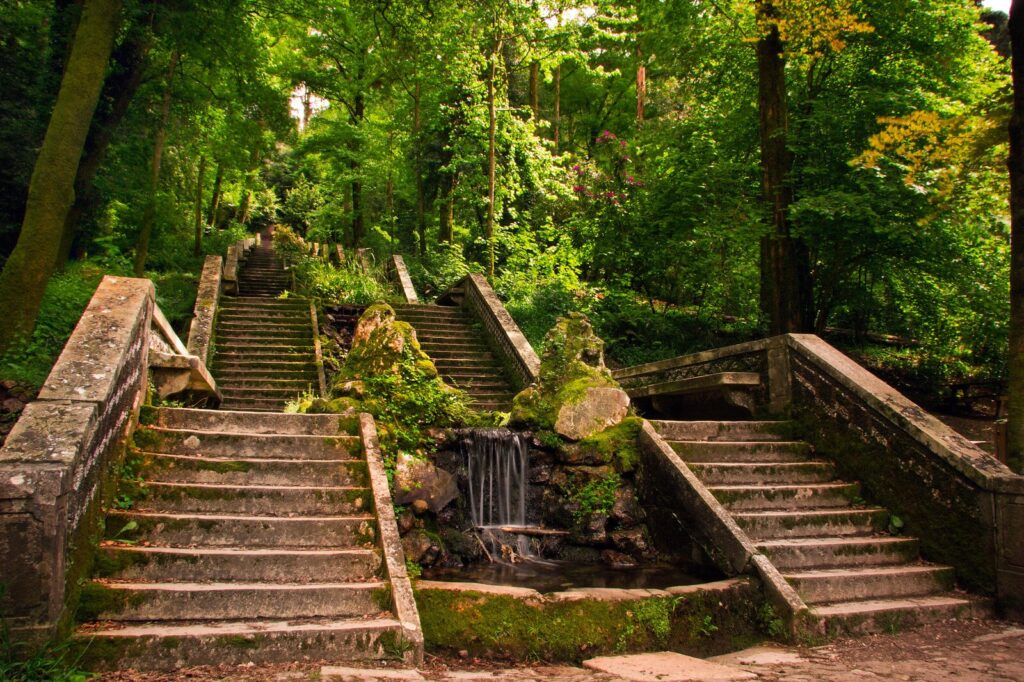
(56, 466)
(398, 269)
(502, 333)
(200, 334)
(966, 507)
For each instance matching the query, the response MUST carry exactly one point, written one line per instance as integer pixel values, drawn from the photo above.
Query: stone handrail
(502, 331)
(402, 600)
(56, 468)
(966, 507)
(764, 356)
(200, 333)
(235, 255)
(401, 273)
(713, 527)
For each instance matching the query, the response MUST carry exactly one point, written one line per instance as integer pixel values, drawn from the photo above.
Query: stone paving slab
(666, 666)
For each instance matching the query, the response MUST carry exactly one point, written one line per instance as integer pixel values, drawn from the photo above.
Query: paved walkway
(972, 651)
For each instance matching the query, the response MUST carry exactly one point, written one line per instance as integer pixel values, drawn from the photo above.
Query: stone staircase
(243, 537)
(265, 351)
(463, 358)
(832, 548)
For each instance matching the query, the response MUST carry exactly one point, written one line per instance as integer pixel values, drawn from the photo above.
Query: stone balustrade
(503, 334)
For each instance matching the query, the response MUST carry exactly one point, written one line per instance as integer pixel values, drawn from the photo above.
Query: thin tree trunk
(51, 189)
(1015, 435)
(641, 87)
(785, 273)
(446, 212)
(120, 88)
(198, 250)
(491, 157)
(218, 179)
(535, 90)
(358, 224)
(159, 139)
(421, 193)
(558, 106)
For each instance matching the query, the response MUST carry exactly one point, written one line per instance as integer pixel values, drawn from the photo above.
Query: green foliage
(334, 285)
(67, 295)
(595, 497)
(768, 622)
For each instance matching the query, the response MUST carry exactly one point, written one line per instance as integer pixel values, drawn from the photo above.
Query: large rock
(599, 408)
(417, 479)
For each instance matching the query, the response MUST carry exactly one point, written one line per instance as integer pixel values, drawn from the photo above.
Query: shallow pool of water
(555, 576)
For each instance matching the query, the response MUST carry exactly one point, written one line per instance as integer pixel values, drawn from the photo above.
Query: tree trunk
(149, 213)
(119, 89)
(641, 88)
(785, 272)
(1015, 439)
(51, 189)
(358, 224)
(218, 179)
(558, 106)
(491, 158)
(535, 90)
(421, 192)
(198, 250)
(446, 212)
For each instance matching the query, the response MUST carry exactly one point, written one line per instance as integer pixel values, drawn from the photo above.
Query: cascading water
(497, 464)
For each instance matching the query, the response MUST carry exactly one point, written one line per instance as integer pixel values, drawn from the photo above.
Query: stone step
(224, 421)
(889, 615)
(244, 381)
(471, 384)
(171, 646)
(146, 601)
(255, 405)
(259, 327)
(247, 445)
(736, 473)
(876, 582)
(269, 292)
(226, 339)
(174, 564)
(229, 530)
(259, 373)
(494, 372)
(475, 345)
(298, 359)
(263, 471)
(294, 316)
(455, 355)
(837, 552)
(283, 395)
(427, 308)
(766, 525)
(261, 500)
(490, 396)
(739, 451)
(721, 430)
(468, 366)
(438, 331)
(232, 302)
(493, 405)
(786, 497)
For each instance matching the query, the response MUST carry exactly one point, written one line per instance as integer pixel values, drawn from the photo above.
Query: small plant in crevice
(595, 497)
(769, 622)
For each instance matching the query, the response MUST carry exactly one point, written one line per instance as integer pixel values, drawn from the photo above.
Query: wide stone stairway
(240, 537)
(264, 346)
(831, 546)
(462, 356)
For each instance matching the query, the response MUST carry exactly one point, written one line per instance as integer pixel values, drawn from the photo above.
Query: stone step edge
(236, 628)
(251, 460)
(254, 434)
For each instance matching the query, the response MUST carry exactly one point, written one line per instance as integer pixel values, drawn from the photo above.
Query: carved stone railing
(57, 466)
(402, 601)
(503, 334)
(966, 507)
(400, 273)
(204, 315)
(233, 261)
(766, 357)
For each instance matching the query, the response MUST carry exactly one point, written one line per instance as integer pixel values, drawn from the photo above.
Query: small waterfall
(497, 463)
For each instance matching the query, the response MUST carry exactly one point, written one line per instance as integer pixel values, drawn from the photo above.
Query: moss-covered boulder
(576, 395)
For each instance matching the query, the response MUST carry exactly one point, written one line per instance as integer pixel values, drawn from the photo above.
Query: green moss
(147, 415)
(111, 563)
(382, 597)
(98, 600)
(240, 641)
(147, 439)
(499, 626)
(616, 445)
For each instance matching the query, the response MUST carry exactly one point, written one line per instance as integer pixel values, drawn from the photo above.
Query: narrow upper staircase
(265, 350)
(240, 537)
(833, 548)
(462, 356)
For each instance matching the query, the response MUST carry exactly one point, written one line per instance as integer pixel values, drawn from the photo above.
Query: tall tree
(51, 190)
(1016, 166)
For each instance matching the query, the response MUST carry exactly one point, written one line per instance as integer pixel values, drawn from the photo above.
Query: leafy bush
(67, 295)
(435, 272)
(337, 285)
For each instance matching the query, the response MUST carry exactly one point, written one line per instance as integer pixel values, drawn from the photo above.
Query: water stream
(498, 468)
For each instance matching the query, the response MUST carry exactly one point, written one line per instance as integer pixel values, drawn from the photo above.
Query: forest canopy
(604, 157)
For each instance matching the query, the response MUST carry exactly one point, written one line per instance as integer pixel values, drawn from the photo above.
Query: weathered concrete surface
(599, 408)
(405, 285)
(204, 314)
(504, 335)
(666, 666)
